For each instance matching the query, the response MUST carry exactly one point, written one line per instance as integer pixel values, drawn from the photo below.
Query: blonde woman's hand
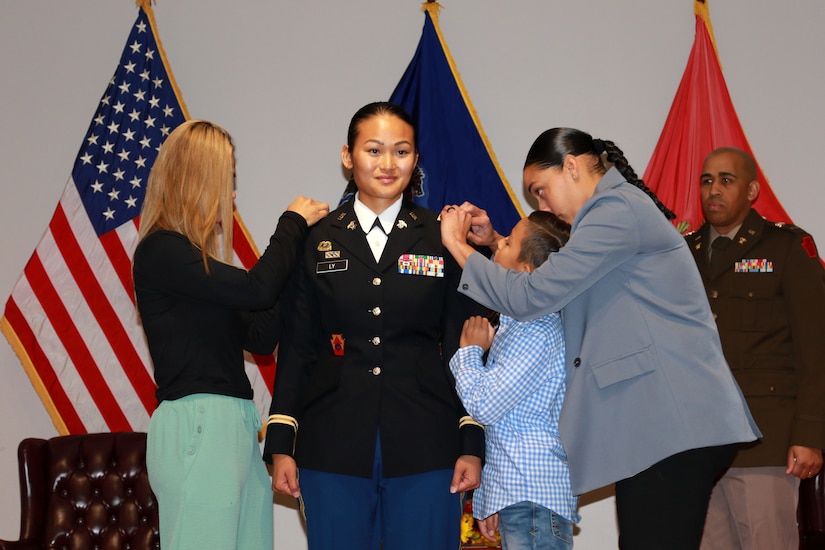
(310, 209)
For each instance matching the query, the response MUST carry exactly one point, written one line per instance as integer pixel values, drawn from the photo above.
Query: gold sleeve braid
(283, 419)
(464, 421)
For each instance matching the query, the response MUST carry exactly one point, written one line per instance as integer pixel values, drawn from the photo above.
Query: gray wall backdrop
(285, 77)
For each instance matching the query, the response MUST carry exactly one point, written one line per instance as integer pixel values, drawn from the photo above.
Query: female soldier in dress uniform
(363, 388)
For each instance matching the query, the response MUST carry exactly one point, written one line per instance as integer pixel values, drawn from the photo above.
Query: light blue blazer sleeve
(645, 370)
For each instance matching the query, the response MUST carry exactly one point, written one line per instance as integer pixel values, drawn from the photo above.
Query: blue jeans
(528, 526)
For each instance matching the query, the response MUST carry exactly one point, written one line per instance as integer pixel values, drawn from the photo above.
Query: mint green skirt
(205, 468)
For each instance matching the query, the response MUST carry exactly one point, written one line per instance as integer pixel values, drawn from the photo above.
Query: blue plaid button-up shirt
(517, 395)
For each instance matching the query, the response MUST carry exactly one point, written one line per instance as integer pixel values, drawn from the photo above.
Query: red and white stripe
(72, 320)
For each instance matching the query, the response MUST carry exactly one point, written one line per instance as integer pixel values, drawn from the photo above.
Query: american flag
(71, 317)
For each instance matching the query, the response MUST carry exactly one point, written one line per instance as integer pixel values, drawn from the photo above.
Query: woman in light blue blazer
(651, 403)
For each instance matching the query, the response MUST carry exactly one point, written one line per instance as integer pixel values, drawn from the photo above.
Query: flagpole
(146, 6)
(700, 8)
(433, 7)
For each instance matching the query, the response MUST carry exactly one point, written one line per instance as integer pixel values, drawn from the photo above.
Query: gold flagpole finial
(431, 6)
(145, 4)
(700, 8)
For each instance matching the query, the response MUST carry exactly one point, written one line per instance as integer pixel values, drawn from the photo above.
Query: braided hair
(553, 145)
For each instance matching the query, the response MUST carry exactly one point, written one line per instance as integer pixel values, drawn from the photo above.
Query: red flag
(71, 317)
(701, 119)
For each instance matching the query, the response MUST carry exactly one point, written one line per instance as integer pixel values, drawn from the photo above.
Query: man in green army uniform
(766, 287)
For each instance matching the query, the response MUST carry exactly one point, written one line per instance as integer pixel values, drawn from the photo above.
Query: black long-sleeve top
(197, 324)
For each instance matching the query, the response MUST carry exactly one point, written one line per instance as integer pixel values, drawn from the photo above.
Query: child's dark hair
(553, 145)
(546, 233)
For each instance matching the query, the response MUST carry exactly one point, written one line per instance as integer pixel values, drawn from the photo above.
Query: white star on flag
(71, 317)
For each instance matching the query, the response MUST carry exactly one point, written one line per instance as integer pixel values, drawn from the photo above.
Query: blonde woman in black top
(199, 313)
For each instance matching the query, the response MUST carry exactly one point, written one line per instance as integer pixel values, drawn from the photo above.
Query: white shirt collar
(366, 217)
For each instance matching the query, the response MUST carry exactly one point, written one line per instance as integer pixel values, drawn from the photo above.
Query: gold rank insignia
(341, 216)
(743, 240)
(400, 224)
(323, 246)
(351, 226)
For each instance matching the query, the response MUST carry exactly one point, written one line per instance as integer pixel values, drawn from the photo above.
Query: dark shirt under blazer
(395, 333)
(768, 298)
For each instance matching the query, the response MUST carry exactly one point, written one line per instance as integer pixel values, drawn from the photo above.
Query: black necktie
(718, 246)
(377, 223)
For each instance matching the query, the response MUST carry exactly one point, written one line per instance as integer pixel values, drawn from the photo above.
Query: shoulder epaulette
(694, 238)
(805, 238)
(788, 227)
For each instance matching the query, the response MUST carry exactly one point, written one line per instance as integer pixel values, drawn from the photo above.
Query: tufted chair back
(86, 492)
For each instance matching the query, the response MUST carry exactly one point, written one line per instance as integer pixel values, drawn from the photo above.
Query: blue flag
(457, 162)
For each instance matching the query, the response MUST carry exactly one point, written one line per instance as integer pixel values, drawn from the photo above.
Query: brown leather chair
(86, 492)
(811, 513)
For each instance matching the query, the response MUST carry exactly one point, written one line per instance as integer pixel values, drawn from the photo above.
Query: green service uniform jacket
(768, 298)
(366, 349)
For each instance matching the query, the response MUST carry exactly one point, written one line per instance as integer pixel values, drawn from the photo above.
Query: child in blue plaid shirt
(517, 395)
